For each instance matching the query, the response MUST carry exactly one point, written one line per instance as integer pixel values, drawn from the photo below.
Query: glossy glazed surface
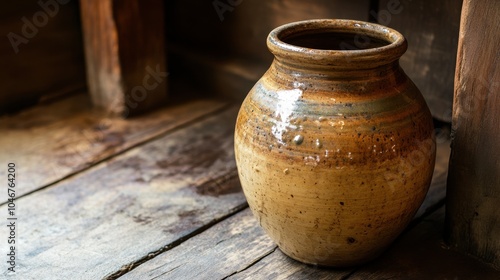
(334, 145)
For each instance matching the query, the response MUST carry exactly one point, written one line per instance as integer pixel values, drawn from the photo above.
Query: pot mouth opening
(325, 41)
(334, 40)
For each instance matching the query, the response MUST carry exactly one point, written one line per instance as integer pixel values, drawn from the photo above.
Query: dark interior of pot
(333, 40)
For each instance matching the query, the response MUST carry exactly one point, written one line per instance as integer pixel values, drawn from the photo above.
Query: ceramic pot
(334, 144)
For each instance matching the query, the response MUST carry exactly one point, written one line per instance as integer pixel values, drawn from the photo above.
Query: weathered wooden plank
(226, 248)
(279, 266)
(41, 52)
(125, 54)
(55, 140)
(135, 204)
(230, 248)
(473, 222)
(421, 254)
(197, 22)
(431, 28)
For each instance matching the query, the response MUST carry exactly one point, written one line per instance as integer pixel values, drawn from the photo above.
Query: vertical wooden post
(125, 54)
(473, 195)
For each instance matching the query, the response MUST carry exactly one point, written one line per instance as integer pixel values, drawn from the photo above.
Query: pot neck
(287, 70)
(336, 48)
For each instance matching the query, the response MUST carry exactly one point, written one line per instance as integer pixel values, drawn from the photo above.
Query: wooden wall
(41, 53)
(223, 47)
(220, 45)
(431, 28)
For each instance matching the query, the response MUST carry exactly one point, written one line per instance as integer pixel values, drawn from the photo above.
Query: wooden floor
(158, 197)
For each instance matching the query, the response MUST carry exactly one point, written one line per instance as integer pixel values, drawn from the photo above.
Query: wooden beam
(125, 54)
(473, 220)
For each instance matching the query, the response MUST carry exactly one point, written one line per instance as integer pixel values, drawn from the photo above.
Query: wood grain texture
(473, 223)
(138, 203)
(236, 36)
(421, 254)
(41, 52)
(55, 140)
(279, 266)
(125, 54)
(227, 77)
(226, 248)
(432, 31)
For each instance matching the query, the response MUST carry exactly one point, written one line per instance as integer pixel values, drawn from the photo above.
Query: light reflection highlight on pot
(285, 107)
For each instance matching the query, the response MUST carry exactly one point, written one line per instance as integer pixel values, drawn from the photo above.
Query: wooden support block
(125, 54)
(472, 215)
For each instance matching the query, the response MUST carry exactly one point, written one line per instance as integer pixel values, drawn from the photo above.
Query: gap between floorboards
(129, 267)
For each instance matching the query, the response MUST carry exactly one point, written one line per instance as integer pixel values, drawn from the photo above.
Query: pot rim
(293, 54)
